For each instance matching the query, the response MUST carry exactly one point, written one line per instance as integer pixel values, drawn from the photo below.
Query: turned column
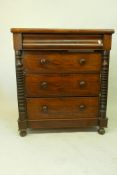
(104, 91)
(20, 93)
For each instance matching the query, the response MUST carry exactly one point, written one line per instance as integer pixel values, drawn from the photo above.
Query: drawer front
(61, 62)
(62, 108)
(48, 85)
(68, 40)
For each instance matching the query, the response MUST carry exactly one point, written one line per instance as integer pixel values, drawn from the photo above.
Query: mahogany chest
(62, 77)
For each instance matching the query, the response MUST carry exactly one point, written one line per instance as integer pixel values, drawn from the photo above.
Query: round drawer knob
(82, 61)
(82, 83)
(82, 107)
(43, 61)
(45, 108)
(44, 85)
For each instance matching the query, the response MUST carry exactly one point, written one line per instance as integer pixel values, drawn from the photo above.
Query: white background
(54, 153)
(52, 14)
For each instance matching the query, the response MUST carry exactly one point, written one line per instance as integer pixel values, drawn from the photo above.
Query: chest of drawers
(62, 78)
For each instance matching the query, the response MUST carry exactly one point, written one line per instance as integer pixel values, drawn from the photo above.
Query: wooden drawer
(59, 40)
(48, 85)
(62, 108)
(61, 62)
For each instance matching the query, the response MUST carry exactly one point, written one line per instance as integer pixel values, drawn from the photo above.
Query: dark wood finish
(61, 62)
(107, 42)
(62, 108)
(61, 41)
(20, 91)
(101, 131)
(63, 123)
(104, 87)
(62, 77)
(23, 132)
(64, 31)
(49, 85)
(17, 39)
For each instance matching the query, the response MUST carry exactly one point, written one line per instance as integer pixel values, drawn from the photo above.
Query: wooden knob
(44, 84)
(82, 61)
(82, 83)
(43, 61)
(45, 108)
(82, 107)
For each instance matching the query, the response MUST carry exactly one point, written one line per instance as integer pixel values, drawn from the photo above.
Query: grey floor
(56, 153)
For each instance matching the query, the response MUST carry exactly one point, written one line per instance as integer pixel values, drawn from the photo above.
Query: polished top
(49, 30)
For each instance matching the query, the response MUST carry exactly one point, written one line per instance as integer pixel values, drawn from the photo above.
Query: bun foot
(23, 132)
(101, 131)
